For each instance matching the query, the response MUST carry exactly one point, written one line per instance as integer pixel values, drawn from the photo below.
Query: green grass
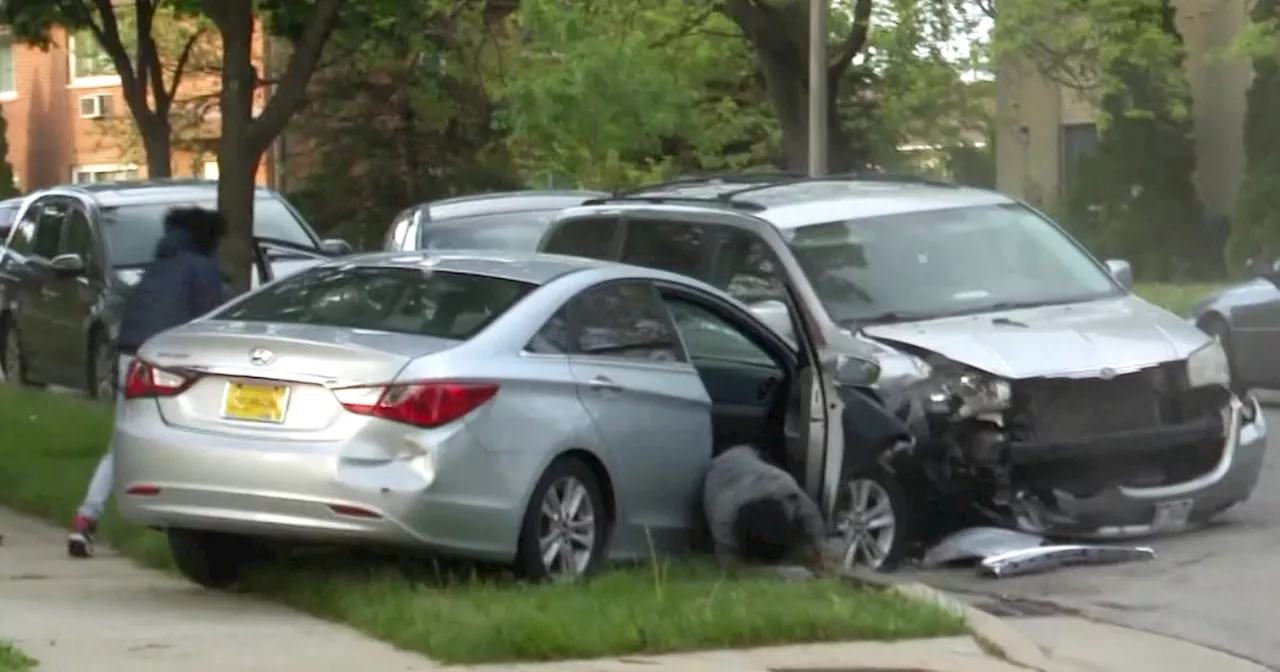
(52, 442)
(14, 660)
(1177, 298)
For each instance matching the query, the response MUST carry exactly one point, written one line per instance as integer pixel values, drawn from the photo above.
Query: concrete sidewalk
(109, 615)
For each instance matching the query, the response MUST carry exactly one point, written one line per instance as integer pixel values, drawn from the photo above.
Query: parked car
(8, 213)
(1041, 391)
(1245, 317)
(548, 412)
(511, 220)
(75, 252)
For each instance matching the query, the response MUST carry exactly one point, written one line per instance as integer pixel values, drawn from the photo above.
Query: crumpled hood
(1081, 339)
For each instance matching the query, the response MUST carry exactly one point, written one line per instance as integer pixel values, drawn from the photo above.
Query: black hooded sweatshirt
(181, 284)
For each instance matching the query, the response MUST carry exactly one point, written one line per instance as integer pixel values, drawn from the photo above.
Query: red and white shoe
(80, 541)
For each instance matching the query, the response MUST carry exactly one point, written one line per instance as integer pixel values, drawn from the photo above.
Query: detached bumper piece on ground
(1003, 553)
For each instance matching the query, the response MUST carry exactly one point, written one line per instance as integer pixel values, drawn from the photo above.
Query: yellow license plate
(255, 403)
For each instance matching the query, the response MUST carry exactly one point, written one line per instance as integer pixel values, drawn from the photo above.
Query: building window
(210, 171)
(1078, 141)
(8, 83)
(89, 63)
(103, 173)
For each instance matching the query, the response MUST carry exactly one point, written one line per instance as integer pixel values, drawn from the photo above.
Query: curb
(994, 635)
(997, 638)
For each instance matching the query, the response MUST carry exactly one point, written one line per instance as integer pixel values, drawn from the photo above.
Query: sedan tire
(101, 375)
(566, 525)
(12, 356)
(874, 520)
(210, 559)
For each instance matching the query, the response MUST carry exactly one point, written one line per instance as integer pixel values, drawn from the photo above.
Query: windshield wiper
(890, 317)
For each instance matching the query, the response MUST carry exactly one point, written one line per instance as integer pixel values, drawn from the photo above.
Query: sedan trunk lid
(264, 379)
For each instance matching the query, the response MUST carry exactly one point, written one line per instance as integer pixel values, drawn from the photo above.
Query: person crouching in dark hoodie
(758, 513)
(182, 283)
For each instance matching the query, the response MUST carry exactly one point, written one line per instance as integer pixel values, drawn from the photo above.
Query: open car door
(275, 259)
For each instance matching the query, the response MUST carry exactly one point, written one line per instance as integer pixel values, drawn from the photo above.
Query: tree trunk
(788, 89)
(157, 144)
(238, 156)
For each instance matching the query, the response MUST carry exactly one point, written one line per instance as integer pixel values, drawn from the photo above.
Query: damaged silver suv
(1040, 393)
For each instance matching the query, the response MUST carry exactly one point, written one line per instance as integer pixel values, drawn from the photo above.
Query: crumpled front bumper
(1125, 512)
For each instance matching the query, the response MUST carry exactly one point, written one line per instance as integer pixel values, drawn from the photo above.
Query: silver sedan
(548, 412)
(1246, 318)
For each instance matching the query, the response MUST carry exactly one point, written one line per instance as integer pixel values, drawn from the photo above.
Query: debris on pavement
(978, 543)
(1002, 553)
(1053, 556)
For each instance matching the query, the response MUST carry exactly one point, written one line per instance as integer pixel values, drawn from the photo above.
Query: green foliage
(1140, 180)
(598, 93)
(1255, 228)
(1089, 45)
(402, 121)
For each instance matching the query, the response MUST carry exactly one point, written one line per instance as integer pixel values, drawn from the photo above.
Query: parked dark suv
(512, 220)
(74, 252)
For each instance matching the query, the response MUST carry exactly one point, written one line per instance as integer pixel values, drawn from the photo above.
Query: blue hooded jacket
(181, 284)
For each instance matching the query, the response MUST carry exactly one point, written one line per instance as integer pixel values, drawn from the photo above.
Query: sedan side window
(708, 336)
(747, 270)
(623, 320)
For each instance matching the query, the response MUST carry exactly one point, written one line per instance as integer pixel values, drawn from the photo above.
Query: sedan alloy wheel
(567, 529)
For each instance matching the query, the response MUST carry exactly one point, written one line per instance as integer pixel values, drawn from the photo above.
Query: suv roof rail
(702, 178)
(864, 176)
(660, 199)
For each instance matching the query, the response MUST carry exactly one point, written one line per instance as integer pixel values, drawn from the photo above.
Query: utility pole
(818, 121)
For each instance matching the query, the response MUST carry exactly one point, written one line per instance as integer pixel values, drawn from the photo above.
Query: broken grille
(1062, 409)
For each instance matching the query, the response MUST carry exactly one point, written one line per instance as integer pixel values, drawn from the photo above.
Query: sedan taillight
(425, 404)
(148, 380)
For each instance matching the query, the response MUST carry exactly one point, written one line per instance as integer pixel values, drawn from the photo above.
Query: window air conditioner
(95, 106)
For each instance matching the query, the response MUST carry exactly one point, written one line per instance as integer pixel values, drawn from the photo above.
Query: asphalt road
(1218, 586)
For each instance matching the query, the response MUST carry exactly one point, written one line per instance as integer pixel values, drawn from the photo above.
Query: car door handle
(47, 293)
(603, 383)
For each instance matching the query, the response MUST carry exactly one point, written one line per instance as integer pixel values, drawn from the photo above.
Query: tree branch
(293, 85)
(179, 69)
(689, 28)
(108, 35)
(854, 42)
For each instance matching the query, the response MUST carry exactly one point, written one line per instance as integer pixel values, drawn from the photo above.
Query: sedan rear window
(442, 304)
(505, 231)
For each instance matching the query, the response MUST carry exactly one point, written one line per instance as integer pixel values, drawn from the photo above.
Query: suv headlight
(969, 393)
(1209, 366)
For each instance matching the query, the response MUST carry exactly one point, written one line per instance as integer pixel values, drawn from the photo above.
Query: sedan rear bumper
(1120, 511)
(452, 498)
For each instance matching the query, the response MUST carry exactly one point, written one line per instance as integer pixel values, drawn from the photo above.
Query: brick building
(68, 121)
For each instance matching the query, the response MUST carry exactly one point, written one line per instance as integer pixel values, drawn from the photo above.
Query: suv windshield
(922, 265)
(505, 231)
(134, 230)
(404, 300)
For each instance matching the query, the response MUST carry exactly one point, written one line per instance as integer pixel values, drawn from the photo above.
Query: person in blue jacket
(182, 282)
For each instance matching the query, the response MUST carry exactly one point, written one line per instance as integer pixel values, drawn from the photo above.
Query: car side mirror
(1121, 271)
(336, 247)
(775, 314)
(856, 371)
(67, 264)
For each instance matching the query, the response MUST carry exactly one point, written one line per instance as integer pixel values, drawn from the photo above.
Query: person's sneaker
(80, 541)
